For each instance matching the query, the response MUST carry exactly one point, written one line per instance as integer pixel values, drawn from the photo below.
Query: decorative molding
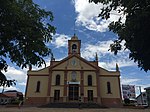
(38, 74)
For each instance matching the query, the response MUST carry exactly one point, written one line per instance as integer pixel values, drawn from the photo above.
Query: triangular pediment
(74, 62)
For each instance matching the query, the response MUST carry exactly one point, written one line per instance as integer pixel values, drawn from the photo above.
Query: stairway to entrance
(72, 105)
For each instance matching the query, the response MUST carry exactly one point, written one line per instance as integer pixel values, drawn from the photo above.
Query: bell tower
(74, 46)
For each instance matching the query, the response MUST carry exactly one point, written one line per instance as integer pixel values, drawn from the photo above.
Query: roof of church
(79, 57)
(74, 37)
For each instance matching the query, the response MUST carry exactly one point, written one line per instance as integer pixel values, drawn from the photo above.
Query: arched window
(108, 87)
(57, 79)
(74, 47)
(89, 80)
(38, 86)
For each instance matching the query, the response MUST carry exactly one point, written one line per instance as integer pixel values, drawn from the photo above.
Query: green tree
(134, 31)
(24, 30)
(3, 80)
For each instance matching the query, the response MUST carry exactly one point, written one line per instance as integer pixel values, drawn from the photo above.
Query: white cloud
(143, 86)
(20, 75)
(10, 88)
(60, 40)
(22, 84)
(88, 15)
(100, 47)
(17, 74)
(121, 61)
(129, 81)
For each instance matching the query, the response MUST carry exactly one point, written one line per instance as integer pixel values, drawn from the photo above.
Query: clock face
(73, 62)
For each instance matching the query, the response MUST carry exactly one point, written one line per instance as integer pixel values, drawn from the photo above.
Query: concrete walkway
(35, 109)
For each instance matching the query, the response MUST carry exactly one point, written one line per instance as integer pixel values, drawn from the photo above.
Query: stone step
(72, 105)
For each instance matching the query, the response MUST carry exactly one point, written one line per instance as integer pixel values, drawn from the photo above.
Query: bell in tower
(74, 46)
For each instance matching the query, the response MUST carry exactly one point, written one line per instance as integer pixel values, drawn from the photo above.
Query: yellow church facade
(73, 79)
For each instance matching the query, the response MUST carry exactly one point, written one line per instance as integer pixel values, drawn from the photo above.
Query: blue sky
(94, 35)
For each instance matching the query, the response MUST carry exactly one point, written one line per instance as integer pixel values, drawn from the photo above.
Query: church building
(74, 78)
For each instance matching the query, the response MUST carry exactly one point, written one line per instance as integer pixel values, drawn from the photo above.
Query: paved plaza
(35, 109)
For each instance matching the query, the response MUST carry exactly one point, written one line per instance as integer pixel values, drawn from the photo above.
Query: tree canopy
(134, 31)
(24, 30)
(3, 79)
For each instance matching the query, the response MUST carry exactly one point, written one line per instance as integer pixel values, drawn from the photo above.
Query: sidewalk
(35, 109)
